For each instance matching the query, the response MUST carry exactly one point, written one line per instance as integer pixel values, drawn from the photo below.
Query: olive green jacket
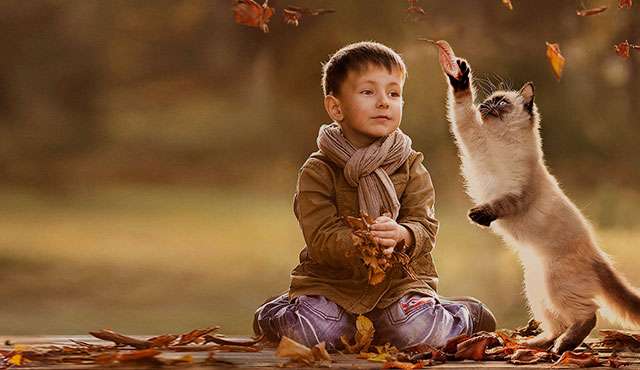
(322, 197)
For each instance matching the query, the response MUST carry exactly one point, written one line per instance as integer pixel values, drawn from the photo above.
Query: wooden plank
(264, 359)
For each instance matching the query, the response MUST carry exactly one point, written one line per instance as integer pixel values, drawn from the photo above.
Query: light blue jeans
(414, 319)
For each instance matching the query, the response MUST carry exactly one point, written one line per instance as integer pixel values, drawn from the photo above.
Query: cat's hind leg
(551, 329)
(574, 335)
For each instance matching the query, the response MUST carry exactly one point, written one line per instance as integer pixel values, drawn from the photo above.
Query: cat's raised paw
(482, 215)
(461, 83)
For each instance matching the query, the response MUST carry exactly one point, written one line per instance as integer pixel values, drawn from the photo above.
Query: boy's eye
(366, 92)
(395, 94)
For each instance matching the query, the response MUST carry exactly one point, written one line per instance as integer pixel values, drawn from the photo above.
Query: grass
(166, 259)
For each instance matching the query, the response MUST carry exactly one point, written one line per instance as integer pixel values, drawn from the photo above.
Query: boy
(365, 163)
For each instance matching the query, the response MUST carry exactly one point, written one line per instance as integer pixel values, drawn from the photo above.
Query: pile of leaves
(502, 345)
(128, 350)
(372, 254)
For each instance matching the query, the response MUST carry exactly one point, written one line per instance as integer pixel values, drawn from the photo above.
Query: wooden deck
(264, 359)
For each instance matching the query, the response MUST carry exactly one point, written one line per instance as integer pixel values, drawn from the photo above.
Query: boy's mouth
(382, 117)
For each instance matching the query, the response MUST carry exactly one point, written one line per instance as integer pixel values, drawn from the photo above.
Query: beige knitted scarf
(368, 168)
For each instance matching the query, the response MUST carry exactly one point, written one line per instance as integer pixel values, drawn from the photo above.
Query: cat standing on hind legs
(567, 277)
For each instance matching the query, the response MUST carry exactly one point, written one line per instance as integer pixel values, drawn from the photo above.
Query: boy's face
(369, 104)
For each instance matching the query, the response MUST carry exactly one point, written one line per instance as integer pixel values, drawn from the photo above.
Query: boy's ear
(332, 106)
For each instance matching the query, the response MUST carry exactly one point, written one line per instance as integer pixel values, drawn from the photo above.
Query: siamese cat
(567, 277)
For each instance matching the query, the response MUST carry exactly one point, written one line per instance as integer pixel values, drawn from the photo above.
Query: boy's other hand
(389, 233)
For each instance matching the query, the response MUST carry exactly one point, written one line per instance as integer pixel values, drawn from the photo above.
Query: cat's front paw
(482, 215)
(461, 83)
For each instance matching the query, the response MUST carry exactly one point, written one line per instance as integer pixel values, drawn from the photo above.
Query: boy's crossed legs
(414, 319)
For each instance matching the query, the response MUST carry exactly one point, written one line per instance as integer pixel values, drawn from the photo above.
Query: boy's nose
(383, 102)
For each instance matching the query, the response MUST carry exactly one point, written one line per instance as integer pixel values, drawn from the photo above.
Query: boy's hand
(388, 233)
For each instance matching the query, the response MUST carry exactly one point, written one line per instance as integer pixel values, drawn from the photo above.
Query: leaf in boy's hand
(622, 4)
(555, 59)
(508, 4)
(592, 11)
(447, 58)
(249, 13)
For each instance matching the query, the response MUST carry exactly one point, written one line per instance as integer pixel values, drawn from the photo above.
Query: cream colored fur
(565, 273)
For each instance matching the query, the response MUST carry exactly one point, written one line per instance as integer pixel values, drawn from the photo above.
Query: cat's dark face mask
(497, 106)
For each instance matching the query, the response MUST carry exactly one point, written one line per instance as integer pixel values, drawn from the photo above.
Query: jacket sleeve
(328, 239)
(417, 210)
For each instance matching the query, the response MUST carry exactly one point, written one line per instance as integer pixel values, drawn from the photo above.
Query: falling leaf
(585, 359)
(622, 4)
(623, 49)
(415, 12)
(249, 13)
(292, 17)
(508, 4)
(591, 11)
(293, 14)
(446, 57)
(556, 59)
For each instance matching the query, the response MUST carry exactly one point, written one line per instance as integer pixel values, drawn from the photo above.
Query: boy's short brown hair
(357, 57)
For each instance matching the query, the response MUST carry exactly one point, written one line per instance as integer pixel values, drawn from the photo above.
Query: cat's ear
(333, 108)
(528, 93)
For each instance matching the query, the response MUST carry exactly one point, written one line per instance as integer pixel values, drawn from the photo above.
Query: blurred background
(149, 150)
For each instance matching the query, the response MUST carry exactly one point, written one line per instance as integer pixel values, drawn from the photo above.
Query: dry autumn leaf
(414, 8)
(403, 365)
(293, 14)
(195, 335)
(117, 338)
(622, 4)
(585, 359)
(508, 4)
(591, 11)
(618, 340)
(556, 59)
(363, 338)
(250, 13)
(372, 254)
(299, 353)
(474, 348)
(623, 49)
(528, 356)
(446, 57)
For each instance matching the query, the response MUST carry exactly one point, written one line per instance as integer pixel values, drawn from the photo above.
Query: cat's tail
(621, 300)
